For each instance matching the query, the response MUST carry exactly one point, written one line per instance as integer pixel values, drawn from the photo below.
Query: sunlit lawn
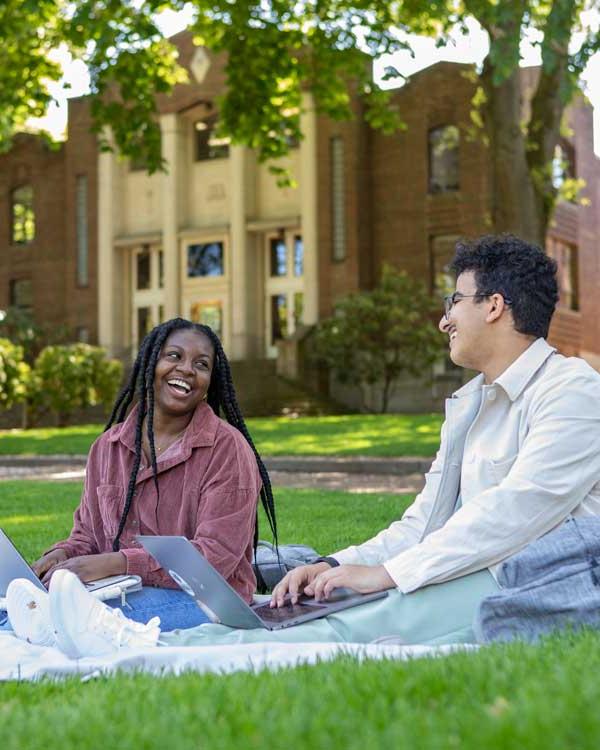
(347, 435)
(501, 698)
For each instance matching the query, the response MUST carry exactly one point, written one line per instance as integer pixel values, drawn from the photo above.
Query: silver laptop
(13, 565)
(211, 592)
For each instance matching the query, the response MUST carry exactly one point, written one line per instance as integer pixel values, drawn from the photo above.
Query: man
(520, 448)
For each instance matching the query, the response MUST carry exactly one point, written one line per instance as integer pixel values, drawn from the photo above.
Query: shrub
(14, 374)
(375, 336)
(75, 376)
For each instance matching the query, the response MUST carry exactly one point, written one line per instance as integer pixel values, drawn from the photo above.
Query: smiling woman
(169, 466)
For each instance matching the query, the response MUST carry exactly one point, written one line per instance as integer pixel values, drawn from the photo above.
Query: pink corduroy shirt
(208, 490)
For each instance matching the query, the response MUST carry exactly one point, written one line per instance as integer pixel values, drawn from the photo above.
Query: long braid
(224, 396)
(221, 396)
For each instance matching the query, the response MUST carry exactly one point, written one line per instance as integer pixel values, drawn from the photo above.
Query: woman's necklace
(158, 448)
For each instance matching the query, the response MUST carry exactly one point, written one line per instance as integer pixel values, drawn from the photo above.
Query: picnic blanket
(20, 660)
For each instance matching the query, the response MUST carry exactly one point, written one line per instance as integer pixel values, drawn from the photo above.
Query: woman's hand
(91, 567)
(48, 561)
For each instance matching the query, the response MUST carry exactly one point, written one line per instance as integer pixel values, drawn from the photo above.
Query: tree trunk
(516, 205)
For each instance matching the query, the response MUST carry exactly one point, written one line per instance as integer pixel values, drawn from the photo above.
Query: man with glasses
(519, 454)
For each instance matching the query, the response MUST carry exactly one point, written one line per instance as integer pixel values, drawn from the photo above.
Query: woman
(170, 467)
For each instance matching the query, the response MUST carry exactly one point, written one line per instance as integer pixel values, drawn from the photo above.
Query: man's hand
(55, 557)
(364, 579)
(91, 567)
(295, 582)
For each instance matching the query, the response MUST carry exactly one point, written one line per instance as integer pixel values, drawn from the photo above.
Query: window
(82, 333)
(278, 257)
(144, 322)
(143, 269)
(442, 253)
(81, 221)
(443, 159)
(161, 270)
(567, 273)
(20, 294)
(338, 199)
(205, 260)
(298, 308)
(279, 326)
(22, 215)
(563, 163)
(209, 314)
(298, 256)
(208, 144)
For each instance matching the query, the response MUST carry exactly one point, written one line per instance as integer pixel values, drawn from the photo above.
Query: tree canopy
(276, 48)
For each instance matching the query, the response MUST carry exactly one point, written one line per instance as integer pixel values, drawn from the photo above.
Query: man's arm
(403, 534)
(557, 466)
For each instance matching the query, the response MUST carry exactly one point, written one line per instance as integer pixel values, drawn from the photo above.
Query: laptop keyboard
(280, 614)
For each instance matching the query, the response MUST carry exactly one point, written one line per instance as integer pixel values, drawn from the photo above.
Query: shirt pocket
(500, 469)
(110, 505)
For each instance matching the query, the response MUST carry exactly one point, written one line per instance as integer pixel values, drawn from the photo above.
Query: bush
(375, 336)
(75, 376)
(15, 374)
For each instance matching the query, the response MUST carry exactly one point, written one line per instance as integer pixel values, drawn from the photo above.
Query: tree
(373, 337)
(75, 376)
(276, 48)
(14, 374)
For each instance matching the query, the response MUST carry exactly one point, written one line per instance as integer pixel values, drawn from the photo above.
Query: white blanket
(22, 661)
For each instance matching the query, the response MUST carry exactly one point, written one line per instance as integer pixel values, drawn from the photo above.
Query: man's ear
(497, 307)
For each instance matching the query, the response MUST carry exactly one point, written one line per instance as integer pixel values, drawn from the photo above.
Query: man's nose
(444, 324)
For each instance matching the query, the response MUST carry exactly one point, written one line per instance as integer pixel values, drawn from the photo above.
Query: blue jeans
(176, 609)
(551, 584)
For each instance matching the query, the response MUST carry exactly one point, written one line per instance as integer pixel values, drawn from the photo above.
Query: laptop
(13, 565)
(215, 597)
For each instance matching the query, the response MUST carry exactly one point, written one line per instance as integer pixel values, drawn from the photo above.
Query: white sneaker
(84, 626)
(28, 610)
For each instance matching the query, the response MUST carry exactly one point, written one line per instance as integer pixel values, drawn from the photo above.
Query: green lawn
(348, 435)
(502, 698)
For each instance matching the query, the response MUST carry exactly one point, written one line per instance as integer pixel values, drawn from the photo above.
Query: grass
(504, 697)
(348, 435)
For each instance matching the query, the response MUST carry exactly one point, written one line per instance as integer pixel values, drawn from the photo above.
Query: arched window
(443, 145)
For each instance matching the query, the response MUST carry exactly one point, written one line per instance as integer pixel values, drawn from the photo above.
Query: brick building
(97, 243)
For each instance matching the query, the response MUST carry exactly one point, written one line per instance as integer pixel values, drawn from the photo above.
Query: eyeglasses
(451, 299)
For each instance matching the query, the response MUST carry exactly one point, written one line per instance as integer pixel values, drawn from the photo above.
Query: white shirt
(524, 452)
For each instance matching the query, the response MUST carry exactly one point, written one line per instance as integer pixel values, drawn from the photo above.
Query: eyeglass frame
(451, 299)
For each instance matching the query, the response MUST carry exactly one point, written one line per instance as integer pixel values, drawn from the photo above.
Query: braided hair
(221, 397)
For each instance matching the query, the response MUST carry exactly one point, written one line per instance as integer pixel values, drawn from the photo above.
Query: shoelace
(114, 622)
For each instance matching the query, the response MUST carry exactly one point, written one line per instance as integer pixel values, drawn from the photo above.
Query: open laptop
(13, 565)
(211, 592)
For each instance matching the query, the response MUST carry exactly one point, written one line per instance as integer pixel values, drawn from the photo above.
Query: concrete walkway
(350, 474)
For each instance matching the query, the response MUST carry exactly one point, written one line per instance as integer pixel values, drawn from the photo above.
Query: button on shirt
(524, 452)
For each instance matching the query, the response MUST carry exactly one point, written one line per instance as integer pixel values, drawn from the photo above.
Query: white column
(170, 129)
(107, 302)
(308, 208)
(238, 263)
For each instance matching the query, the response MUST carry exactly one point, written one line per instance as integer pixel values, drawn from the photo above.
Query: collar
(514, 379)
(200, 432)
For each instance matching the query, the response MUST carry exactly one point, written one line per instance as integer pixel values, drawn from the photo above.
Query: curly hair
(521, 272)
(221, 397)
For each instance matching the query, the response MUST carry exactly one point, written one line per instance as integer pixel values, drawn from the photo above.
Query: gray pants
(551, 584)
(434, 615)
